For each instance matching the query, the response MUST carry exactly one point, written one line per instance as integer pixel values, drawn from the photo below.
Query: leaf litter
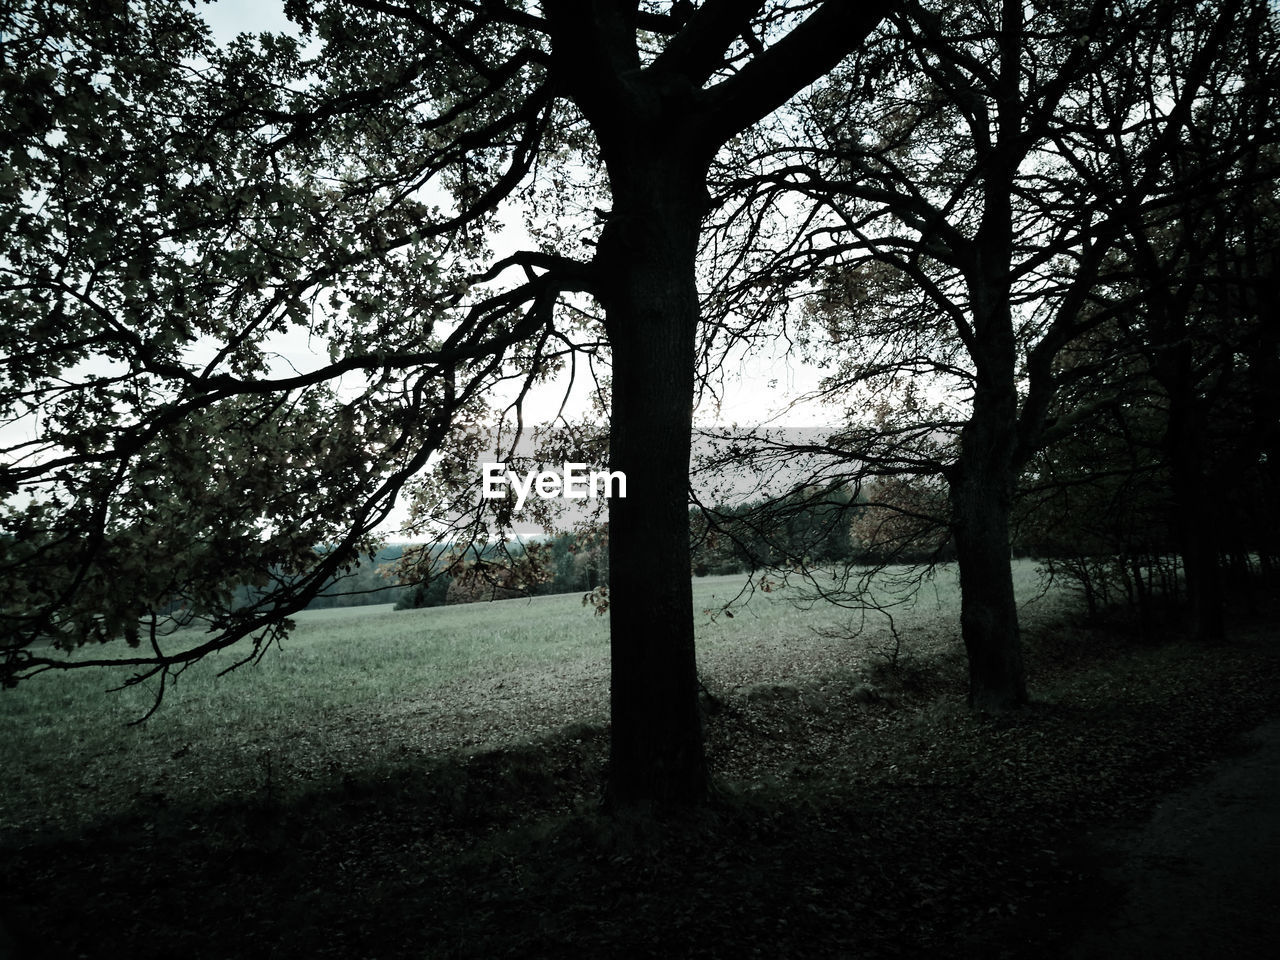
(889, 823)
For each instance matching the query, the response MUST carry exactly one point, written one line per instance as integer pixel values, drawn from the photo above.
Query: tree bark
(982, 482)
(981, 492)
(647, 257)
(1194, 521)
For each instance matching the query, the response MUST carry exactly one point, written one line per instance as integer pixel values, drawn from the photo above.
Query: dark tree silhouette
(959, 251)
(164, 196)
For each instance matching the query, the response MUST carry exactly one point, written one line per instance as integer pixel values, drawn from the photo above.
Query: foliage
(172, 210)
(905, 520)
(368, 584)
(428, 593)
(1157, 450)
(570, 562)
(579, 562)
(346, 185)
(809, 526)
(1020, 219)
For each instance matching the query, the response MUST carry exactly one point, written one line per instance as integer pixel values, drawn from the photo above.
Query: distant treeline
(565, 563)
(812, 526)
(1128, 557)
(369, 582)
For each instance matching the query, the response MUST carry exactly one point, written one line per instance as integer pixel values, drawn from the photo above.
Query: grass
(423, 784)
(353, 689)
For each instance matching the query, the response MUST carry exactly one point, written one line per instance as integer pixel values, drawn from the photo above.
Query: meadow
(424, 783)
(354, 688)
(341, 675)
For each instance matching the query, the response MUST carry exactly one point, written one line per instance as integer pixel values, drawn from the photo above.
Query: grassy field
(358, 687)
(424, 784)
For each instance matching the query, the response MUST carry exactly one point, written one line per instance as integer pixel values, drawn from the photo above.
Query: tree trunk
(980, 500)
(981, 485)
(1194, 520)
(647, 254)
(658, 123)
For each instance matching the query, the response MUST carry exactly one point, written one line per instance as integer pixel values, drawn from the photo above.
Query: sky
(228, 18)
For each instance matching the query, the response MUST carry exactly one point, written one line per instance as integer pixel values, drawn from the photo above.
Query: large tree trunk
(980, 501)
(1264, 366)
(647, 254)
(1195, 515)
(658, 123)
(981, 485)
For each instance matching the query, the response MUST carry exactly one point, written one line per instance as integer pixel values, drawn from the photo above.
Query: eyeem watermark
(574, 483)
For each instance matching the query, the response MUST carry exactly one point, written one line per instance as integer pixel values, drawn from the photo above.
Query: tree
(1094, 506)
(168, 209)
(963, 251)
(162, 196)
(1198, 262)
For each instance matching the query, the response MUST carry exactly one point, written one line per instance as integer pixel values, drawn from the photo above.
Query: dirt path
(1202, 879)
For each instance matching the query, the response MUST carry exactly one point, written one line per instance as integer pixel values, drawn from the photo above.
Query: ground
(863, 812)
(1202, 877)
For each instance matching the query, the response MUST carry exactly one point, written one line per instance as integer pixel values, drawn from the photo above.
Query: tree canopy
(171, 208)
(998, 205)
